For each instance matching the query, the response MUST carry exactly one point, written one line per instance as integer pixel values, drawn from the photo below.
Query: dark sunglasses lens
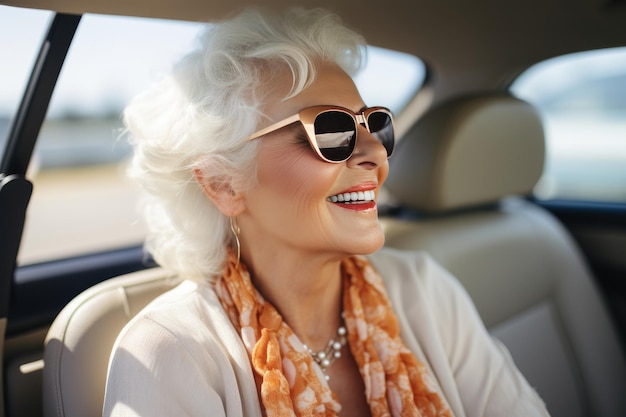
(381, 127)
(335, 133)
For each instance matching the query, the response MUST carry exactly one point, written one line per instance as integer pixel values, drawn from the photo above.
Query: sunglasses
(332, 130)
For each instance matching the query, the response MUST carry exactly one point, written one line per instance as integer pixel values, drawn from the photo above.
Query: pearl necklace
(326, 357)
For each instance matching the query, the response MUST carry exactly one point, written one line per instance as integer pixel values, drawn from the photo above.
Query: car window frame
(20, 144)
(21, 285)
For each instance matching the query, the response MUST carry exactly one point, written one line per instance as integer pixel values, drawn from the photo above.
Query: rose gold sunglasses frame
(307, 118)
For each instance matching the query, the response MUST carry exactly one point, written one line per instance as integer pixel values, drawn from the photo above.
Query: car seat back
(459, 177)
(79, 342)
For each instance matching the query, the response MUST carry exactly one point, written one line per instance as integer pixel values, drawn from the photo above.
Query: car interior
(528, 279)
(548, 276)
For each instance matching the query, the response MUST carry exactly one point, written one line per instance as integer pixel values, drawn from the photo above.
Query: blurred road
(79, 210)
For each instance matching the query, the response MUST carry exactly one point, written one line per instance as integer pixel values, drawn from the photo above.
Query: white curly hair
(199, 116)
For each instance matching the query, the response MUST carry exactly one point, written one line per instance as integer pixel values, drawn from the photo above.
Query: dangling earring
(235, 229)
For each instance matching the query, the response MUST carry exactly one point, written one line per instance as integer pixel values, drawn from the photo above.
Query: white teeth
(354, 197)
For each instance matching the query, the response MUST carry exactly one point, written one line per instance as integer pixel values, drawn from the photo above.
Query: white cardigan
(181, 356)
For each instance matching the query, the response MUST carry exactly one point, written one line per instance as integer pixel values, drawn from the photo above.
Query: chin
(366, 246)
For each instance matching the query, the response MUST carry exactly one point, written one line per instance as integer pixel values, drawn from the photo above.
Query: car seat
(459, 178)
(79, 342)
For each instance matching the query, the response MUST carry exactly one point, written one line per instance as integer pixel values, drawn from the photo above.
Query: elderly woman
(262, 165)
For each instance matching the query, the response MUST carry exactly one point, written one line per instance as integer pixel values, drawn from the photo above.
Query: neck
(305, 289)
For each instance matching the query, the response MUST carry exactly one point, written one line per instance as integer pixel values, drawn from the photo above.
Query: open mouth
(355, 197)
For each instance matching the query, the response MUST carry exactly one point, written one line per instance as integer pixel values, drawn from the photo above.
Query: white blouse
(181, 356)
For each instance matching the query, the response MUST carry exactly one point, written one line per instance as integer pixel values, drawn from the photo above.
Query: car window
(390, 78)
(82, 201)
(582, 99)
(21, 33)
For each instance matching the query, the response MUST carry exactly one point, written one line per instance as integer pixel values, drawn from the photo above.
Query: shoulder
(395, 259)
(169, 325)
(417, 270)
(188, 315)
(443, 329)
(180, 350)
(424, 295)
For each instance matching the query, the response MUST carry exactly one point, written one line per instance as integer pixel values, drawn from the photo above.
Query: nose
(368, 151)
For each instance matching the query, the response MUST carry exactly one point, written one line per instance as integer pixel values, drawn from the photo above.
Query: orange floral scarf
(290, 383)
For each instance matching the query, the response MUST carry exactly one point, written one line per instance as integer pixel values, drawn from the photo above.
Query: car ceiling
(467, 45)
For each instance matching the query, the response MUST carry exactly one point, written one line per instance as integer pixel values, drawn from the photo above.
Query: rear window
(582, 98)
(390, 78)
(82, 200)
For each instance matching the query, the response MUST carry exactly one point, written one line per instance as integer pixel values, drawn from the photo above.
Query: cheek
(296, 175)
(383, 172)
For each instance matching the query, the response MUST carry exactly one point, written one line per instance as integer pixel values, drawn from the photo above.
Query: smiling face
(303, 203)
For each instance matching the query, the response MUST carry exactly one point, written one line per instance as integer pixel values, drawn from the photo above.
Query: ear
(229, 201)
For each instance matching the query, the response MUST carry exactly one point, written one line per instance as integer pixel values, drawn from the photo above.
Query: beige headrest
(467, 152)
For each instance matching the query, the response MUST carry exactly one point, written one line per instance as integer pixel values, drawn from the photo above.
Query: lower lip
(358, 207)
